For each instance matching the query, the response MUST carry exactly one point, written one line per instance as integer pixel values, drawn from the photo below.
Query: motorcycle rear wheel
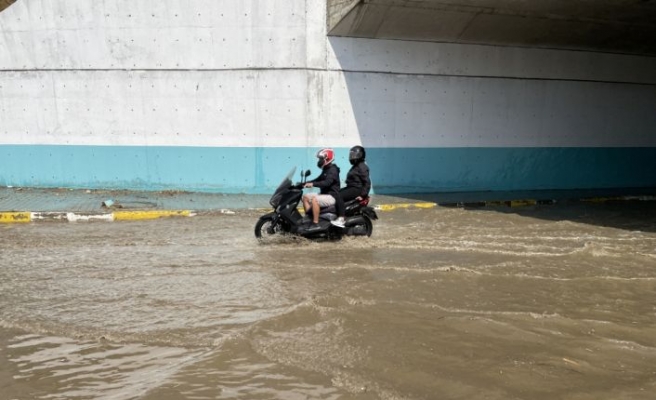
(369, 226)
(365, 228)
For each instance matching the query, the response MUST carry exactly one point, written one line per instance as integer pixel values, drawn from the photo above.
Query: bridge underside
(617, 26)
(5, 3)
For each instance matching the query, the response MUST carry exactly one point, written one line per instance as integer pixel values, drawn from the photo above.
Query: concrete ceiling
(621, 26)
(5, 3)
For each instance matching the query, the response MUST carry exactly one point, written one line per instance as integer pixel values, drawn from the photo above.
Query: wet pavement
(540, 302)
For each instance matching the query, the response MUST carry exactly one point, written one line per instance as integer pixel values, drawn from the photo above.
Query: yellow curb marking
(522, 203)
(15, 217)
(140, 215)
(391, 207)
(379, 207)
(600, 199)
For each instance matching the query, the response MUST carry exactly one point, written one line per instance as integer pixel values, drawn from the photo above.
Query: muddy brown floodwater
(552, 302)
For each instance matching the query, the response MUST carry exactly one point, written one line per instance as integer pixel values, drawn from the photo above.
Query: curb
(25, 217)
(399, 206)
(9, 217)
(137, 215)
(536, 202)
(500, 203)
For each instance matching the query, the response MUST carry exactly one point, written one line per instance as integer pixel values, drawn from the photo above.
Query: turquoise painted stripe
(259, 170)
(506, 169)
(229, 170)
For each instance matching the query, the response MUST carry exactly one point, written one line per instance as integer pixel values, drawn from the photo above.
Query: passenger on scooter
(327, 182)
(357, 186)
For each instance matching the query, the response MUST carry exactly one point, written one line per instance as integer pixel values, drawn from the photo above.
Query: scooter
(286, 219)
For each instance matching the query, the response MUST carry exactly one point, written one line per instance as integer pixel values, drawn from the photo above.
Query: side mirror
(307, 173)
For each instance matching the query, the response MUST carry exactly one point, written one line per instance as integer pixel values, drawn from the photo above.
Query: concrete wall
(229, 95)
(157, 94)
(458, 117)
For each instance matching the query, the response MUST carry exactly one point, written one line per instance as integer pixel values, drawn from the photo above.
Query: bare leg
(315, 210)
(306, 203)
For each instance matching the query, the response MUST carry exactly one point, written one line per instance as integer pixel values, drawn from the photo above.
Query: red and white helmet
(325, 156)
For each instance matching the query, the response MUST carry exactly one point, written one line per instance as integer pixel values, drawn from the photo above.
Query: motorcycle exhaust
(353, 221)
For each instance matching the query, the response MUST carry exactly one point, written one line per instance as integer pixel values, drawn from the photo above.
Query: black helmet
(357, 154)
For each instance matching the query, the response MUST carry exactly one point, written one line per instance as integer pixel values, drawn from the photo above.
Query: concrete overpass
(5, 3)
(228, 95)
(616, 26)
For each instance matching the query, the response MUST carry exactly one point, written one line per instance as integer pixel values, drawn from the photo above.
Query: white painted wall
(237, 108)
(426, 58)
(418, 94)
(396, 110)
(156, 34)
(150, 72)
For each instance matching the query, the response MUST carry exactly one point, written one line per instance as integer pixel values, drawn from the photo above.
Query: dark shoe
(314, 227)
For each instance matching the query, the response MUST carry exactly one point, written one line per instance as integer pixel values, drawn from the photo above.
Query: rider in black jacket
(358, 183)
(327, 182)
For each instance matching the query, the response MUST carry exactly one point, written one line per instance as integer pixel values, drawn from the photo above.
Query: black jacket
(328, 181)
(358, 176)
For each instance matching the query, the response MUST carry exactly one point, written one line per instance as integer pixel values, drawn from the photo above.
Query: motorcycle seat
(348, 205)
(328, 216)
(328, 210)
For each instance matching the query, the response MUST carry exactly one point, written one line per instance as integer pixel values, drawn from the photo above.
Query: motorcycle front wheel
(265, 227)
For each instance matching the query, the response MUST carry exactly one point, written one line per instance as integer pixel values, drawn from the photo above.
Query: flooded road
(552, 302)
